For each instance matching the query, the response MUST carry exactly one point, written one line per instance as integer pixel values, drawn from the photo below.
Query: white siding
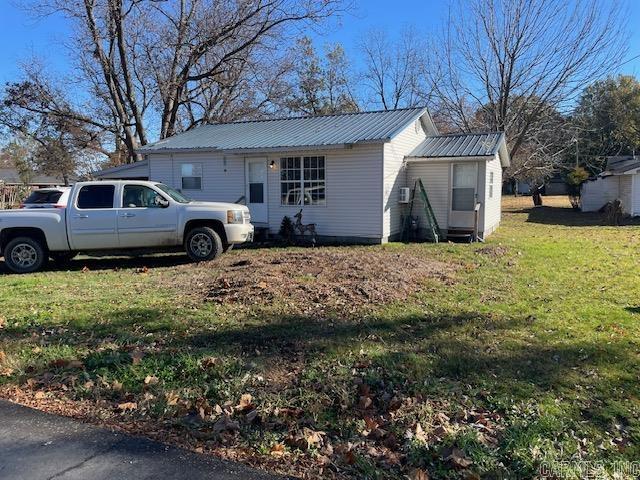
(395, 175)
(492, 207)
(222, 177)
(636, 194)
(353, 193)
(625, 192)
(598, 192)
(435, 177)
(353, 187)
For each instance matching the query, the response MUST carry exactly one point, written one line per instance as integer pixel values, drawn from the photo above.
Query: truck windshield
(176, 195)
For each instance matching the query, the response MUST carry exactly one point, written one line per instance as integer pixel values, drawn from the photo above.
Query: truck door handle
(128, 215)
(81, 215)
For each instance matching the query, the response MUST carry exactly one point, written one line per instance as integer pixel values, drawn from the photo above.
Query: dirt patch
(317, 280)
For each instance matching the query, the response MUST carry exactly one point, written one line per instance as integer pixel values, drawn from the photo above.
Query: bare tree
(394, 71)
(514, 61)
(179, 62)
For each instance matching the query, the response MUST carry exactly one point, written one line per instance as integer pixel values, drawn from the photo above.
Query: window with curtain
(302, 180)
(463, 196)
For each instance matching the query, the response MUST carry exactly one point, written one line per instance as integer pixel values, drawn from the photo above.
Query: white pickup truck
(123, 216)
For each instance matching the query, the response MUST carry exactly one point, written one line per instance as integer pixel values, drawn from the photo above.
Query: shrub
(287, 230)
(575, 179)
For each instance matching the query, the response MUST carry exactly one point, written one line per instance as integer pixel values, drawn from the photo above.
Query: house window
(191, 176)
(463, 192)
(490, 184)
(302, 181)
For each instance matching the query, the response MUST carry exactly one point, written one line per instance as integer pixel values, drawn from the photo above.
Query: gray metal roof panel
(459, 145)
(622, 164)
(11, 176)
(292, 132)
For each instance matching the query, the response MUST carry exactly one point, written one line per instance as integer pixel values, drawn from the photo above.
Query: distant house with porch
(347, 172)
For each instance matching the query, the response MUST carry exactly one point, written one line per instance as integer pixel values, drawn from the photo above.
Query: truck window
(96, 196)
(139, 196)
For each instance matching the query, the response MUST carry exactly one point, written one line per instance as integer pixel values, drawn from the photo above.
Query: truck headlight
(234, 216)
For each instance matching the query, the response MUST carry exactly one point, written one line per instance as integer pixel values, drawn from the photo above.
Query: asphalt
(38, 446)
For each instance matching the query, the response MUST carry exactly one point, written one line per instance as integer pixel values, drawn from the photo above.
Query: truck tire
(203, 244)
(24, 255)
(62, 258)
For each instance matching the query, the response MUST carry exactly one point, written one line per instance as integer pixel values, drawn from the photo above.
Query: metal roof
(459, 145)
(621, 164)
(131, 170)
(12, 177)
(323, 130)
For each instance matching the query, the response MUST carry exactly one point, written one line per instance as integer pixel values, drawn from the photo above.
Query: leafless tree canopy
(510, 64)
(156, 67)
(394, 70)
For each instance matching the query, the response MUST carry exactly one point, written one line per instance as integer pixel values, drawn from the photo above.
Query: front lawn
(464, 361)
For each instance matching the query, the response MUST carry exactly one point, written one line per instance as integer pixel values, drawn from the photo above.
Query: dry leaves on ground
(314, 280)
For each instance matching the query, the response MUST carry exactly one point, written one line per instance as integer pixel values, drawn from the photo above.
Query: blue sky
(22, 37)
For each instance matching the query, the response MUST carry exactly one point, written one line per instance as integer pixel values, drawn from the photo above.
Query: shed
(620, 180)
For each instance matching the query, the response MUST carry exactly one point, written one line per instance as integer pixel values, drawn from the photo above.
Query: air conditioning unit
(404, 195)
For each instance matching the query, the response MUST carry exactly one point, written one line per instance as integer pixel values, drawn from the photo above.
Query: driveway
(39, 446)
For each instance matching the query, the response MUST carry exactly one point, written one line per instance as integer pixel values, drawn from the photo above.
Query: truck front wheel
(24, 255)
(203, 244)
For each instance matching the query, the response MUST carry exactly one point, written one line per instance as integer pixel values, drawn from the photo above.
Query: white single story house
(620, 180)
(345, 171)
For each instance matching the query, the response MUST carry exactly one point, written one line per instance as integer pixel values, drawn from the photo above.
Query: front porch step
(460, 234)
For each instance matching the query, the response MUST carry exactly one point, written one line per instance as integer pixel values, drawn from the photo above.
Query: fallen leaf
(116, 386)
(3, 357)
(136, 357)
(85, 269)
(75, 364)
(151, 380)
(171, 398)
(225, 424)
(364, 403)
(278, 450)
(39, 395)
(419, 434)
(245, 403)
(127, 406)
(208, 362)
(457, 458)
(418, 474)
(3, 322)
(199, 450)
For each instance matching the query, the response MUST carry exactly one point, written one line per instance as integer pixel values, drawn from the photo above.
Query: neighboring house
(10, 177)
(345, 171)
(620, 180)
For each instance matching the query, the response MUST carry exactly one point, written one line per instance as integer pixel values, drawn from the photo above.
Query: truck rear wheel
(203, 244)
(24, 255)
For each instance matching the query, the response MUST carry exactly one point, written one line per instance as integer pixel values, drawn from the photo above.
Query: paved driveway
(39, 446)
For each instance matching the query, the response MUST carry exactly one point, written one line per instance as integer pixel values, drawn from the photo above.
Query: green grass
(540, 337)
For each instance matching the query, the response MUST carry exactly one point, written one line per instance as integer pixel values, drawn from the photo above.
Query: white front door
(256, 189)
(464, 194)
